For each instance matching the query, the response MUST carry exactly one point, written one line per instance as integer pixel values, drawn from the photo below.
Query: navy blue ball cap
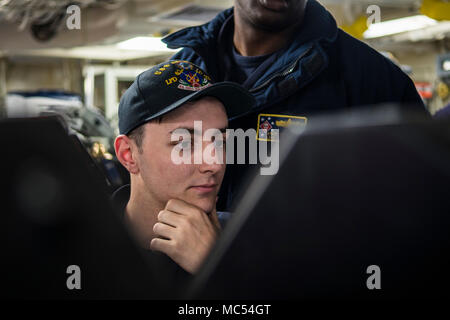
(171, 84)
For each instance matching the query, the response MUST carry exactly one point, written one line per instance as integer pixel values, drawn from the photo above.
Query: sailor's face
(271, 15)
(197, 184)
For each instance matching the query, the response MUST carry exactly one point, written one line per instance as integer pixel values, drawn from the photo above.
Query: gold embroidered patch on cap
(188, 77)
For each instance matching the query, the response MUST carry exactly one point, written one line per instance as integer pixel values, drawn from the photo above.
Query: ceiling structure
(104, 23)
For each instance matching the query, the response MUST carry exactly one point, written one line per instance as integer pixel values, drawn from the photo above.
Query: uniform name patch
(271, 122)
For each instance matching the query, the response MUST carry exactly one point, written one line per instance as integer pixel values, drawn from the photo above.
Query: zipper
(284, 73)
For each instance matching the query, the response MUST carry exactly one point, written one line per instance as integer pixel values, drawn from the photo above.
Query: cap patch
(193, 80)
(187, 76)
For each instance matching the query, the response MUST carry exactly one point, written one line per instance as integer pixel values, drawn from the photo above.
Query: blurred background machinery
(86, 124)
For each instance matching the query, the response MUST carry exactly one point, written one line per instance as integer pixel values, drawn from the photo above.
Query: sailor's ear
(126, 153)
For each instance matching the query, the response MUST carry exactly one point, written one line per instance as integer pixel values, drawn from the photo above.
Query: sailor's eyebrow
(189, 129)
(192, 131)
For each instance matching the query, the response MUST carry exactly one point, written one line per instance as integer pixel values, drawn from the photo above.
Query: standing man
(293, 58)
(170, 206)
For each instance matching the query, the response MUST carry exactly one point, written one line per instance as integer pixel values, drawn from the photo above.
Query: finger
(181, 207)
(171, 218)
(161, 245)
(163, 230)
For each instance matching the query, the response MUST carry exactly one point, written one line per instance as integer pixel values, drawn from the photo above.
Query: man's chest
(296, 108)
